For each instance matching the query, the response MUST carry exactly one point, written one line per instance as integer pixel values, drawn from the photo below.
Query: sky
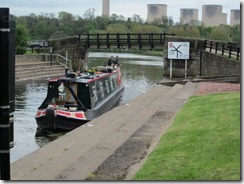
(127, 8)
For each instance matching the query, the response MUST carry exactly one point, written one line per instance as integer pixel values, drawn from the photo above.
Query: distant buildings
(156, 11)
(106, 8)
(188, 16)
(212, 15)
(234, 17)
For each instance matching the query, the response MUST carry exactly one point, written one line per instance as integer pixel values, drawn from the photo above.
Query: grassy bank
(203, 143)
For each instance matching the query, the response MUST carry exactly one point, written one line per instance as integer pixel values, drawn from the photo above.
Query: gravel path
(205, 88)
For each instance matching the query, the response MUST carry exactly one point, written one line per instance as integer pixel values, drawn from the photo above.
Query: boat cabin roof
(85, 77)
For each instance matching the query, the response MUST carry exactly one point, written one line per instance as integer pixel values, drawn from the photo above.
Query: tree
(146, 29)
(58, 34)
(236, 33)
(21, 39)
(89, 14)
(164, 22)
(221, 32)
(117, 28)
(178, 30)
(137, 18)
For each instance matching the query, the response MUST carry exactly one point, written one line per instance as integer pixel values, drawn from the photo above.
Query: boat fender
(51, 113)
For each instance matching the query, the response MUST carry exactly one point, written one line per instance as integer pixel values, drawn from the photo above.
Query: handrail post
(163, 41)
(139, 40)
(205, 44)
(216, 47)
(238, 53)
(108, 44)
(117, 40)
(230, 50)
(88, 40)
(66, 60)
(78, 38)
(128, 40)
(223, 49)
(151, 41)
(211, 45)
(98, 41)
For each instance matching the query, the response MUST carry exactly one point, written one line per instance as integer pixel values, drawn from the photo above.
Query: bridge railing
(64, 61)
(222, 48)
(119, 40)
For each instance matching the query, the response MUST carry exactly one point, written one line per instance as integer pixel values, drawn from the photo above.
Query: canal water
(139, 74)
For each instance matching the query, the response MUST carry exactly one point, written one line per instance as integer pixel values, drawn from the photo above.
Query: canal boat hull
(100, 94)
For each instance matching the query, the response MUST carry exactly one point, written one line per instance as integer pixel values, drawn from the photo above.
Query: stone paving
(205, 88)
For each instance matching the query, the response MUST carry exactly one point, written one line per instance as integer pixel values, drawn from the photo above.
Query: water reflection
(139, 74)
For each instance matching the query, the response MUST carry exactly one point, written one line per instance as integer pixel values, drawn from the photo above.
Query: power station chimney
(106, 8)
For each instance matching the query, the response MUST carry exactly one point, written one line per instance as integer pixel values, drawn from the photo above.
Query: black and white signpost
(7, 94)
(178, 50)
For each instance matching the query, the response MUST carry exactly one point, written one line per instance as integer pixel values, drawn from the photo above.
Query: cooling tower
(234, 17)
(212, 15)
(188, 16)
(106, 8)
(224, 18)
(156, 11)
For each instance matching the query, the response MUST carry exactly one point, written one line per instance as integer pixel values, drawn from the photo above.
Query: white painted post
(171, 68)
(186, 68)
(66, 55)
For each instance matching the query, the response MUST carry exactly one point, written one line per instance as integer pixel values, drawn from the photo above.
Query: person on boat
(110, 61)
(116, 60)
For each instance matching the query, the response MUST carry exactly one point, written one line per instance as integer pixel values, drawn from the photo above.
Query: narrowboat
(74, 100)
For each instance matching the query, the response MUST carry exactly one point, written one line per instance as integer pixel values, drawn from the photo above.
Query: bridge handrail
(68, 62)
(119, 39)
(223, 48)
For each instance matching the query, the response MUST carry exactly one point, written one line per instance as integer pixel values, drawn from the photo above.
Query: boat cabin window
(94, 93)
(111, 84)
(101, 88)
(107, 87)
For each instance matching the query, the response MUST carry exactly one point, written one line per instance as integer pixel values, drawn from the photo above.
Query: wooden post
(230, 50)
(128, 40)
(98, 41)
(118, 41)
(140, 41)
(223, 49)
(108, 44)
(88, 41)
(216, 47)
(211, 45)
(238, 53)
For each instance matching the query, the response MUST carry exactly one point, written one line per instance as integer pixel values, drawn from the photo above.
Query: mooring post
(7, 78)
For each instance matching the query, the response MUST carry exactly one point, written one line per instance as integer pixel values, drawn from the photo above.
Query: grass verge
(203, 142)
